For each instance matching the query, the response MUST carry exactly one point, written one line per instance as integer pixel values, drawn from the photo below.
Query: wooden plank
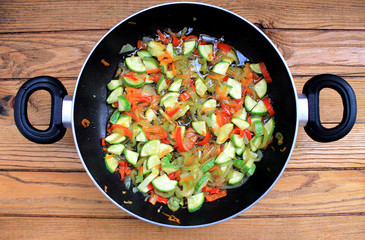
(316, 52)
(19, 153)
(66, 194)
(346, 153)
(21, 16)
(62, 54)
(55, 54)
(328, 227)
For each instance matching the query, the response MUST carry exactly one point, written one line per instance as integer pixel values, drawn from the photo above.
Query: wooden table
(45, 192)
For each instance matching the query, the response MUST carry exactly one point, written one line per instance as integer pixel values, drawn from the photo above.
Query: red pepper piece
(265, 73)
(205, 140)
(268, 106)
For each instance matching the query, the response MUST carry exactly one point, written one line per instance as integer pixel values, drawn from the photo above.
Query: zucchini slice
(195, 202)
(150, 148)
(261, 88)
(189, 46)
(206, 51)
(135, 64)
(164, 184)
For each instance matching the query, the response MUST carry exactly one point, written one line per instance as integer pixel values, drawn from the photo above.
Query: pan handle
(56, 130)
(314, 127)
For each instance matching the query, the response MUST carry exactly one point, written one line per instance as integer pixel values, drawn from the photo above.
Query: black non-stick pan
(88, 102)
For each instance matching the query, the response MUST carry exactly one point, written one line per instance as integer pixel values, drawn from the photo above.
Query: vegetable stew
(190, 118)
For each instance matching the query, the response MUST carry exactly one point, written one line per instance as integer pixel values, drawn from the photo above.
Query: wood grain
(19, 153)
(325, 227)
(45, 192)
(313, 193)
(25, 16)
(62, 54)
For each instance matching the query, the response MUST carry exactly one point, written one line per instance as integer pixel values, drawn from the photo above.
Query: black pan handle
(314, 127)
(56, 130)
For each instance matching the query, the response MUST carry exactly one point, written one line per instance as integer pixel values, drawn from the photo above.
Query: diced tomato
(184, 96)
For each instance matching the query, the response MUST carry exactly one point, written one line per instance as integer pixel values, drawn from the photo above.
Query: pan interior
(91, 92)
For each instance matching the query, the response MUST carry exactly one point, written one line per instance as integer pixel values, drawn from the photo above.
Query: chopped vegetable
(188, 120)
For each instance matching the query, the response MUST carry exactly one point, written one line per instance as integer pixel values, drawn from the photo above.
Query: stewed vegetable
(190, 118)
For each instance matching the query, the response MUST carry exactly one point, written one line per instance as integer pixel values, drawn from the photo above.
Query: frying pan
(88, 102)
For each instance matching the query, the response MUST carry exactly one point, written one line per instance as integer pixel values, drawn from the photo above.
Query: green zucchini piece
(150, 115)
(116, 149)
(166, 166)
(200, 127)
(237, 141)
(131, 156)
(113, 84)
(213, 124)
(114, 117)
(222, 158)
(143, 53)
(258, 128)
(153, 161)
(208, 165)
(150, 148)
(242, 124)
(221, 67)
(124, 120)
(249, 103)
(170, 49)
(223, 133)
(261, 88)
(236, 88)
(133, 83)
(206, 51)
(150, 63)
(123, 104)
(200, 87)
(236, 177)
(209, 105)
(115, 138)
(135, 64)
(259, 109)
(189, 46)
(195, 202)
(111, 163)
(164, 148)
(155, 49)
(143, 185)
(255, 67)
(175, 85)
(164, 184)
(239, 163)
(113, 96)
(161, 84)
(202, 182)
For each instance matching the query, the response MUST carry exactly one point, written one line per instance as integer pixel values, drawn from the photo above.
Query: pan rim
(102, 190)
